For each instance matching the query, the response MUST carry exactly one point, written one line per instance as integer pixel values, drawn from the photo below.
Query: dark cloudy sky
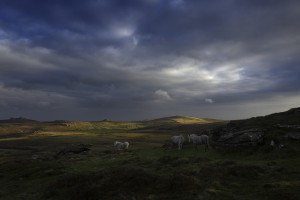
(142, 59)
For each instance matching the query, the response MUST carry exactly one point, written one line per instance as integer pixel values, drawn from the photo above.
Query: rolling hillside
(31, 167)
(184, 120)
(23, 126)
(290, 117)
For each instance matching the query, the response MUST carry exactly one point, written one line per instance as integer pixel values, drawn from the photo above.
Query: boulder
(75, 149)
(293, 136)
(168, 144)
(232, 137)
(288, 126)
(34, 157)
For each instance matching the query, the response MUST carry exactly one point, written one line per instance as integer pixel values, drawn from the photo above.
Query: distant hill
(290, 117)
(182, 124)
(185, 120)
(18, 120)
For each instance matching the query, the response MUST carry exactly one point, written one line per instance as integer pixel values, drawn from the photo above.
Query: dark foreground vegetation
(31, 166)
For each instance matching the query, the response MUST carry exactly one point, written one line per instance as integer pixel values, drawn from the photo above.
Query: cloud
(176, 3)
(111, 57)
(19, 99)
(123, 31)
(162, 95)
(209, 101)
(135, 41)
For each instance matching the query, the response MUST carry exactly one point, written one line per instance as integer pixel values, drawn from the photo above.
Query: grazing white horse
(121, 145)
(178, 140)
(198, 140)
(190, 137)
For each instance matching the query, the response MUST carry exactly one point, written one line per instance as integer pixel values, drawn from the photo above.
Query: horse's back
(177, 138)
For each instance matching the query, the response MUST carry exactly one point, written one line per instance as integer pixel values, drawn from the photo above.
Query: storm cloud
(142, 59)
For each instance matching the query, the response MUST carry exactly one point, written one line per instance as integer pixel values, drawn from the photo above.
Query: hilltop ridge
(18, 120)
(186, 120)
(290, 117)
(176, 118)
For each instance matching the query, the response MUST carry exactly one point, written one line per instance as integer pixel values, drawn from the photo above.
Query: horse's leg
(206, 144)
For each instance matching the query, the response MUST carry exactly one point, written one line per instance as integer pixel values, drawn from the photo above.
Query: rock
(49, 171)
(288, 126)
(168, 145)
(75, 149)
(249, 137)
(293, 136)
(34, 157)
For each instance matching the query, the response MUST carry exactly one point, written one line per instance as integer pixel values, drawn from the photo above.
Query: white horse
(178, 140)
(198, 140)
(190, 137)
(121, 145)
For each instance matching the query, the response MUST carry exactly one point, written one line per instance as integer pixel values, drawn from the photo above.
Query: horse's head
(115, 143)
(183, 139)
(189, 137)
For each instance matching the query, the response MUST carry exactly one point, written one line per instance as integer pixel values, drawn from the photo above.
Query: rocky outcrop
(293, 136)
(75, 149)
(288, 126)
(168, 144)
(233, 137)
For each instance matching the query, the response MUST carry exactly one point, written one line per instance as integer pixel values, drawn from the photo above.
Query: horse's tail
(131, 144)
(183, 139)
(207, 141)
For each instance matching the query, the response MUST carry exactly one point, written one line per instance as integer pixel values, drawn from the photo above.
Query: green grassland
(30, 169)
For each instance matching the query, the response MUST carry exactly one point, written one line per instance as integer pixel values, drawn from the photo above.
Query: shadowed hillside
(264, 130)
(290, 117)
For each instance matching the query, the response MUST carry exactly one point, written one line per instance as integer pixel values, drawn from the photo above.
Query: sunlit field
(31, 168)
